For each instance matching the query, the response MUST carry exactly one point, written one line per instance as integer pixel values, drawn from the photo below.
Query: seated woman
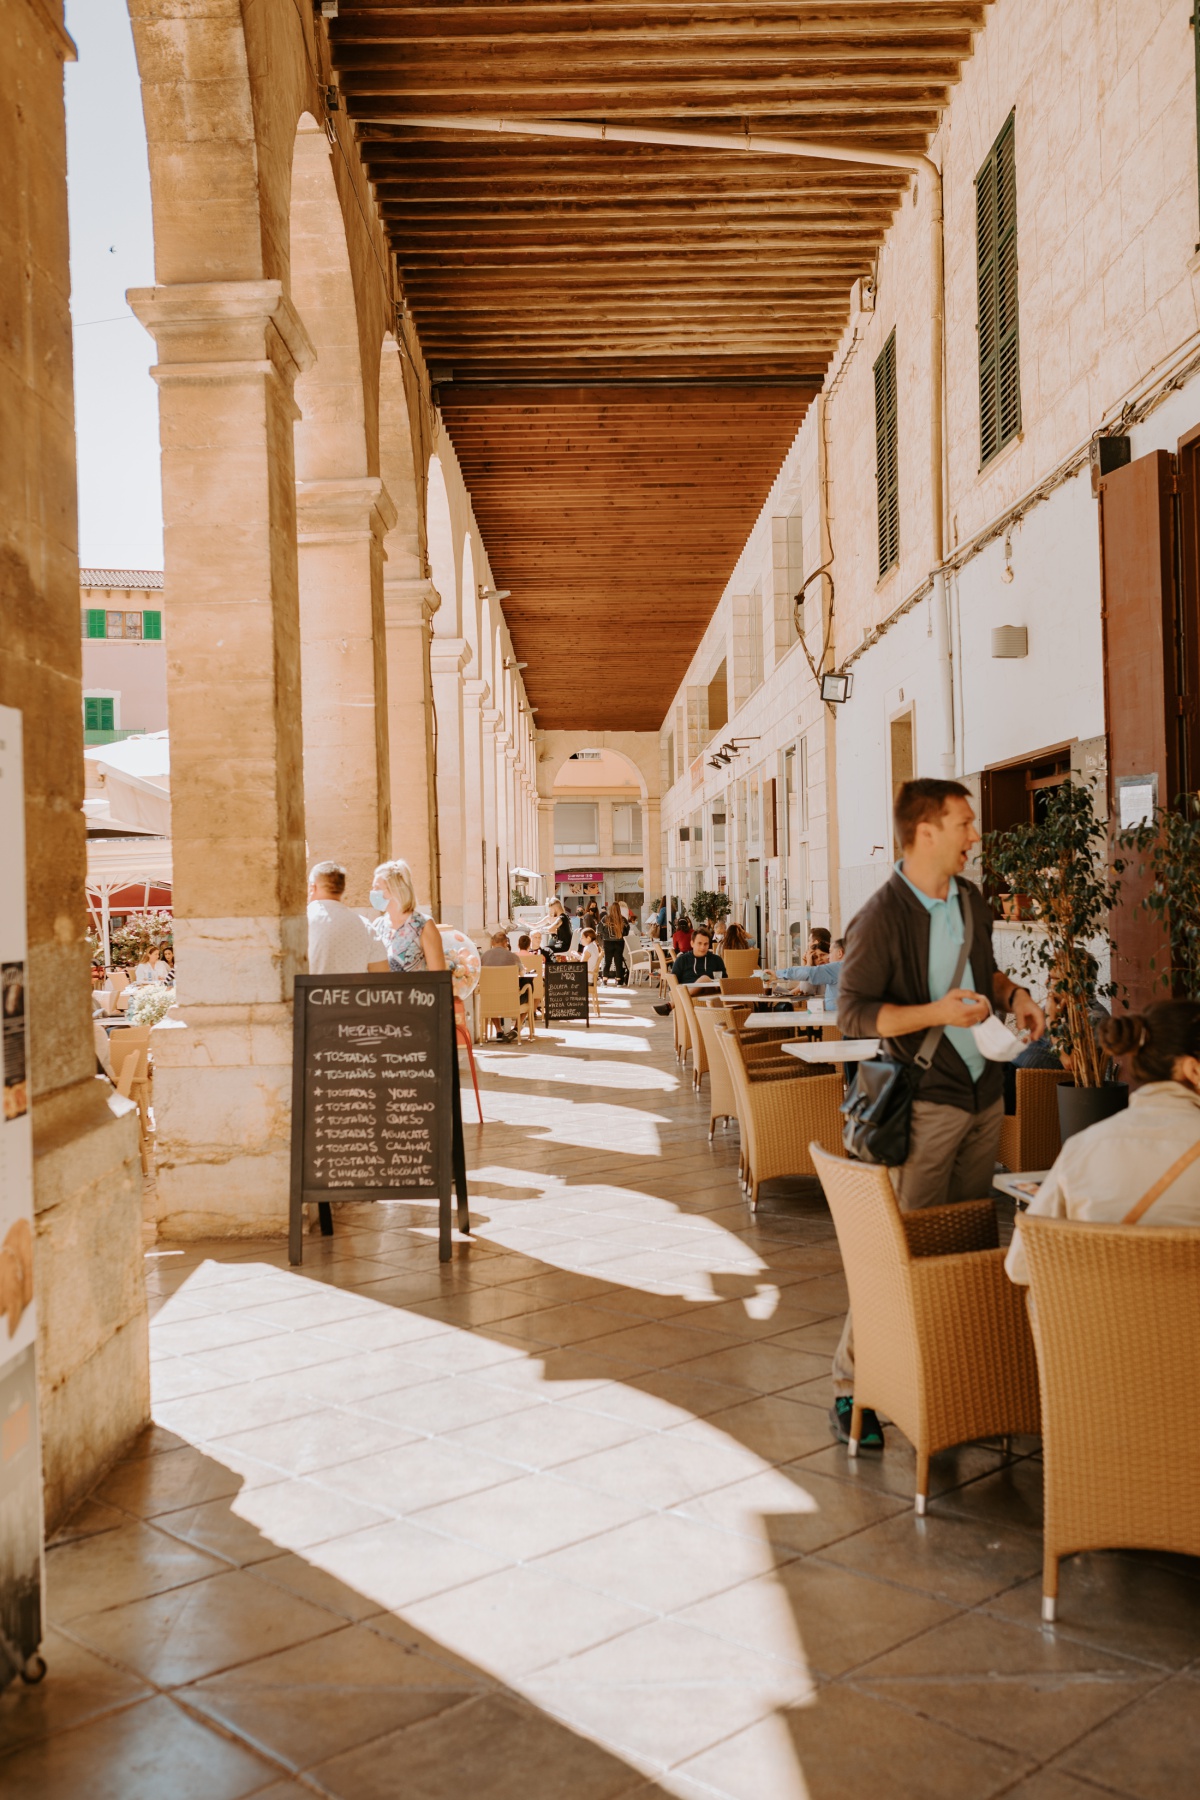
(1102, 1173)
(736, 937)
(681, 937)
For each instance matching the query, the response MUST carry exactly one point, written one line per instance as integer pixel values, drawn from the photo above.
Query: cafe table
(847, 1050)
(1020, 1185)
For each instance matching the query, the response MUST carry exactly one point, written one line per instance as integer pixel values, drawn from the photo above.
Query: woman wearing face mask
(415, 941)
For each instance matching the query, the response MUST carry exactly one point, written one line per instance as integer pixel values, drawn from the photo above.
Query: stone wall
(92, 1341)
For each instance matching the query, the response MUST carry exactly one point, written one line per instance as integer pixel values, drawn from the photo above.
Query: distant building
(124, 657)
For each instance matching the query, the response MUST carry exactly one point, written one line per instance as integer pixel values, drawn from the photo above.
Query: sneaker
(663, 1007)
(840, 1415)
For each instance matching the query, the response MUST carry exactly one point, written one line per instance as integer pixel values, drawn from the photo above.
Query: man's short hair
(331, 876)
(500, 939)
(918, 801)
(523, 941)
(838, 944)
(819, 935)
(702, 931)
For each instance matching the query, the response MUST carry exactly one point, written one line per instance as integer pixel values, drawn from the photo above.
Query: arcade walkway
(565, 1522)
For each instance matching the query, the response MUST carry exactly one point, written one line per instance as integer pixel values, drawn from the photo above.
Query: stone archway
(342, 515)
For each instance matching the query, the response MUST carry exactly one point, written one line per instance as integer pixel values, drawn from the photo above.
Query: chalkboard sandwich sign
(376, 1108)
(566, 992)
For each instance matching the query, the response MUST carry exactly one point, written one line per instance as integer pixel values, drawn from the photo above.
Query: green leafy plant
(1168, 849)
(708, 908)
(1060, 869)
(519, 897)
(150, 1002)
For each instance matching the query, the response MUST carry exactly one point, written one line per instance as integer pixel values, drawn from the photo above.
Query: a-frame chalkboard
(566, 992)
(376, 1107)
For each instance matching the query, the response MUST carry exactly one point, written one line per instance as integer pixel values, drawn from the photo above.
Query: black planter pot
(1080, 1107)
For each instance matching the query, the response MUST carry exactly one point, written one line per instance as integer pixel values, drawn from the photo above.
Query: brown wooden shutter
(1137, 541)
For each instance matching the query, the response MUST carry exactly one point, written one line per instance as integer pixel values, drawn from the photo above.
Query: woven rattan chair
(1030, 1137)
(941, 1339)
(499, 996)
(686, 1007)
(742, 984)
(722, 1103)
(664, 968)
(1117, 1327)
(740, 962)
(678, 1020)
(780, 1117)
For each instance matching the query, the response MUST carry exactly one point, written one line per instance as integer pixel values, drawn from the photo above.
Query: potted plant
(1059, 867)
(708, 908)
(1168, 848)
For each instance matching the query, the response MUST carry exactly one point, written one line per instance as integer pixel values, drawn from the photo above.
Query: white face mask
(379, 900)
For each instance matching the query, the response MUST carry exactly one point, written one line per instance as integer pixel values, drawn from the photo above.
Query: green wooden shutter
(97, 713)
(887, 477)
(91, 715)
(96, 621)
(152, 625)
(996, 265)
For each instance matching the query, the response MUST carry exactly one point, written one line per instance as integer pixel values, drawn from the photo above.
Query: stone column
(340, 528)
(229, 353)
(652, 846)
(495, 822)
(447, 658)
(545, 841)
(408, 608)
(477, 845)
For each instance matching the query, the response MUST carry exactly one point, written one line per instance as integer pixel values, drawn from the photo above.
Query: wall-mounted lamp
(837, 687)
(1006, 573)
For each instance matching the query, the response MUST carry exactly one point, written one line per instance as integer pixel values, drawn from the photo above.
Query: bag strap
(1162, 1184)
(933, 1037)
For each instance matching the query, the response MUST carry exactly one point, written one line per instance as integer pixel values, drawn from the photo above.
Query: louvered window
(887, 479)
(996, 254)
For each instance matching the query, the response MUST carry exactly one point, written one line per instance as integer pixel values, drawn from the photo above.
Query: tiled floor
(564, 1520)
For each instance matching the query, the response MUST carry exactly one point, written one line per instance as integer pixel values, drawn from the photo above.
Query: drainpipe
(746, 144)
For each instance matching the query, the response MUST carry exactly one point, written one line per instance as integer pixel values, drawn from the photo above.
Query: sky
(112, 248)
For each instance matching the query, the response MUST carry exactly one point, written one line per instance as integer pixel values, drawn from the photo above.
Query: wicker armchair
(1030, 1137)
(1117, 1330)
(685, 1006)
(679, 1024)
(740, 962)
(779, 1117)
(722, 1102)
(941, 1339)
(664, 968)
(742, 984)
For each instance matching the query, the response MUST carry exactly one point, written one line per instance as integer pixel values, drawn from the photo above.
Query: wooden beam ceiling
(627, 336)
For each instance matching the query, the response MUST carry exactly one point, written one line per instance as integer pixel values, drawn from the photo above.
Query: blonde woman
(556, 927)
(416, 942)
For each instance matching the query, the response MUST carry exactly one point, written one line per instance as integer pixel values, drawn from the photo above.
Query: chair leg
(921, 1498)
(1049, 1589)
(855, 1429)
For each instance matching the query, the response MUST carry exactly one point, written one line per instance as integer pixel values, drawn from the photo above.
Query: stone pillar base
(222, 1109)
(93, 1330)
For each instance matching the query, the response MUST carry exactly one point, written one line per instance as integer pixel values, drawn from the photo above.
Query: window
(95, 622)
(576, 828)
(754, 628)
(98, 711)
(996, 260)
(627, 830)
(116, 625)
(718, 700)
(152, 626)
(887, 482)
(795, 565)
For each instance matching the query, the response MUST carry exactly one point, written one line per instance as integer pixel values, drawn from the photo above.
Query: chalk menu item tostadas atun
(376, 1107)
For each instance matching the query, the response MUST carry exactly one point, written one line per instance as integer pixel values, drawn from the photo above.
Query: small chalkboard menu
(376, 1108)
(567, 991)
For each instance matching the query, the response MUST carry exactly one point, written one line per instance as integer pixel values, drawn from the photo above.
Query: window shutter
(887, 477)
(96, 621)
(996, 260)
(152, 625)
(91, 715)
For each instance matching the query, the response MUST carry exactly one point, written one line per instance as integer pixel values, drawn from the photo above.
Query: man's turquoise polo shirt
(945, 941)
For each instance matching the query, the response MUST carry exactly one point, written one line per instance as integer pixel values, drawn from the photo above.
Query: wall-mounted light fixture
(837, 687)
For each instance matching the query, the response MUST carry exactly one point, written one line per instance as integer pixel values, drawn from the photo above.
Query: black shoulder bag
(878, 1107)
